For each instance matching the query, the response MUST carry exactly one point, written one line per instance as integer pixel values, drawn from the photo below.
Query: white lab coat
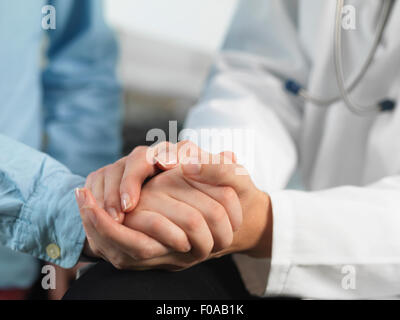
(340, 236)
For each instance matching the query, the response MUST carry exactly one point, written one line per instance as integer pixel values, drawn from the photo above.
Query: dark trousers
(214, 279)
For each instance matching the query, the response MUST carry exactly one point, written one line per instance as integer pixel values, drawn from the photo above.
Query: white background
(199, 24)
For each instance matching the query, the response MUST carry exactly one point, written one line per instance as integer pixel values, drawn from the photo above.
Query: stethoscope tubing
(295, 88)
(344, 92)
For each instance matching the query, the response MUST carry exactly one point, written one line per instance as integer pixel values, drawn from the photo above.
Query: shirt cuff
(50, 227)
(254, 273)
(282, 243)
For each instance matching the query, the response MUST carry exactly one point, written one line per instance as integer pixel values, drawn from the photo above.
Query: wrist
(262, 228)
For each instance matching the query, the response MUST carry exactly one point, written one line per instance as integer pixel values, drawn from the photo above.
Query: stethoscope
(296, 89)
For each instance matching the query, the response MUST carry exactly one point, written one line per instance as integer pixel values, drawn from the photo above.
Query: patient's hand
(171, 215)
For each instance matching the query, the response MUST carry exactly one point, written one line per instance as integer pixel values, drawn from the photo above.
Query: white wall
(199, 24)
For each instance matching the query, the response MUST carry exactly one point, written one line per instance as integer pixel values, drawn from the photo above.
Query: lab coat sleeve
(82, 97)
(37, 204)
(337, 244)
(245, 93)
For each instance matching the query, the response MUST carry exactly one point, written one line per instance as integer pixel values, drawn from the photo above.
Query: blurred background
(167, 48)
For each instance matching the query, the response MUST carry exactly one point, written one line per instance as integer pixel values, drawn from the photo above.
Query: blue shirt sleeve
(38, 210)
(81, 93)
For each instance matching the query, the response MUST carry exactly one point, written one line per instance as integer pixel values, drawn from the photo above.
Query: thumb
(142, 164)
(219, 173)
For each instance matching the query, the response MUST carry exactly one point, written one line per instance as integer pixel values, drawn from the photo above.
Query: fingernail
(159, 161)
(80, 197)
(113, 213)
(192, 169)
(126, 201)
(166, 158)
(90, 214)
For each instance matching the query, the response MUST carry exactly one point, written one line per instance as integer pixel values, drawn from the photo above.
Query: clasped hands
(171, 207)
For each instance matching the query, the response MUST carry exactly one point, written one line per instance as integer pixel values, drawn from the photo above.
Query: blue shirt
(59, 94)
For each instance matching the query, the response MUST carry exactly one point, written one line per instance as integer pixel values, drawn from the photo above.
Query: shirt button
(53, 251)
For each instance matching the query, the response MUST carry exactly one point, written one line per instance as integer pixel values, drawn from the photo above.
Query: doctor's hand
(254, 237)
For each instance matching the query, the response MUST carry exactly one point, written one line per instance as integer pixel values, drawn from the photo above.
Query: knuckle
(228, 194)
(225, 242)
(193, 222)
(162, 180)
(91, 177)
(217, 214)
(140, 150)
(120, 163)
(206, 250)
(110, 169)
(112, 198)
(112, 202)
(181, 242)
(145, 252)
(155, 225)
(94, 176)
